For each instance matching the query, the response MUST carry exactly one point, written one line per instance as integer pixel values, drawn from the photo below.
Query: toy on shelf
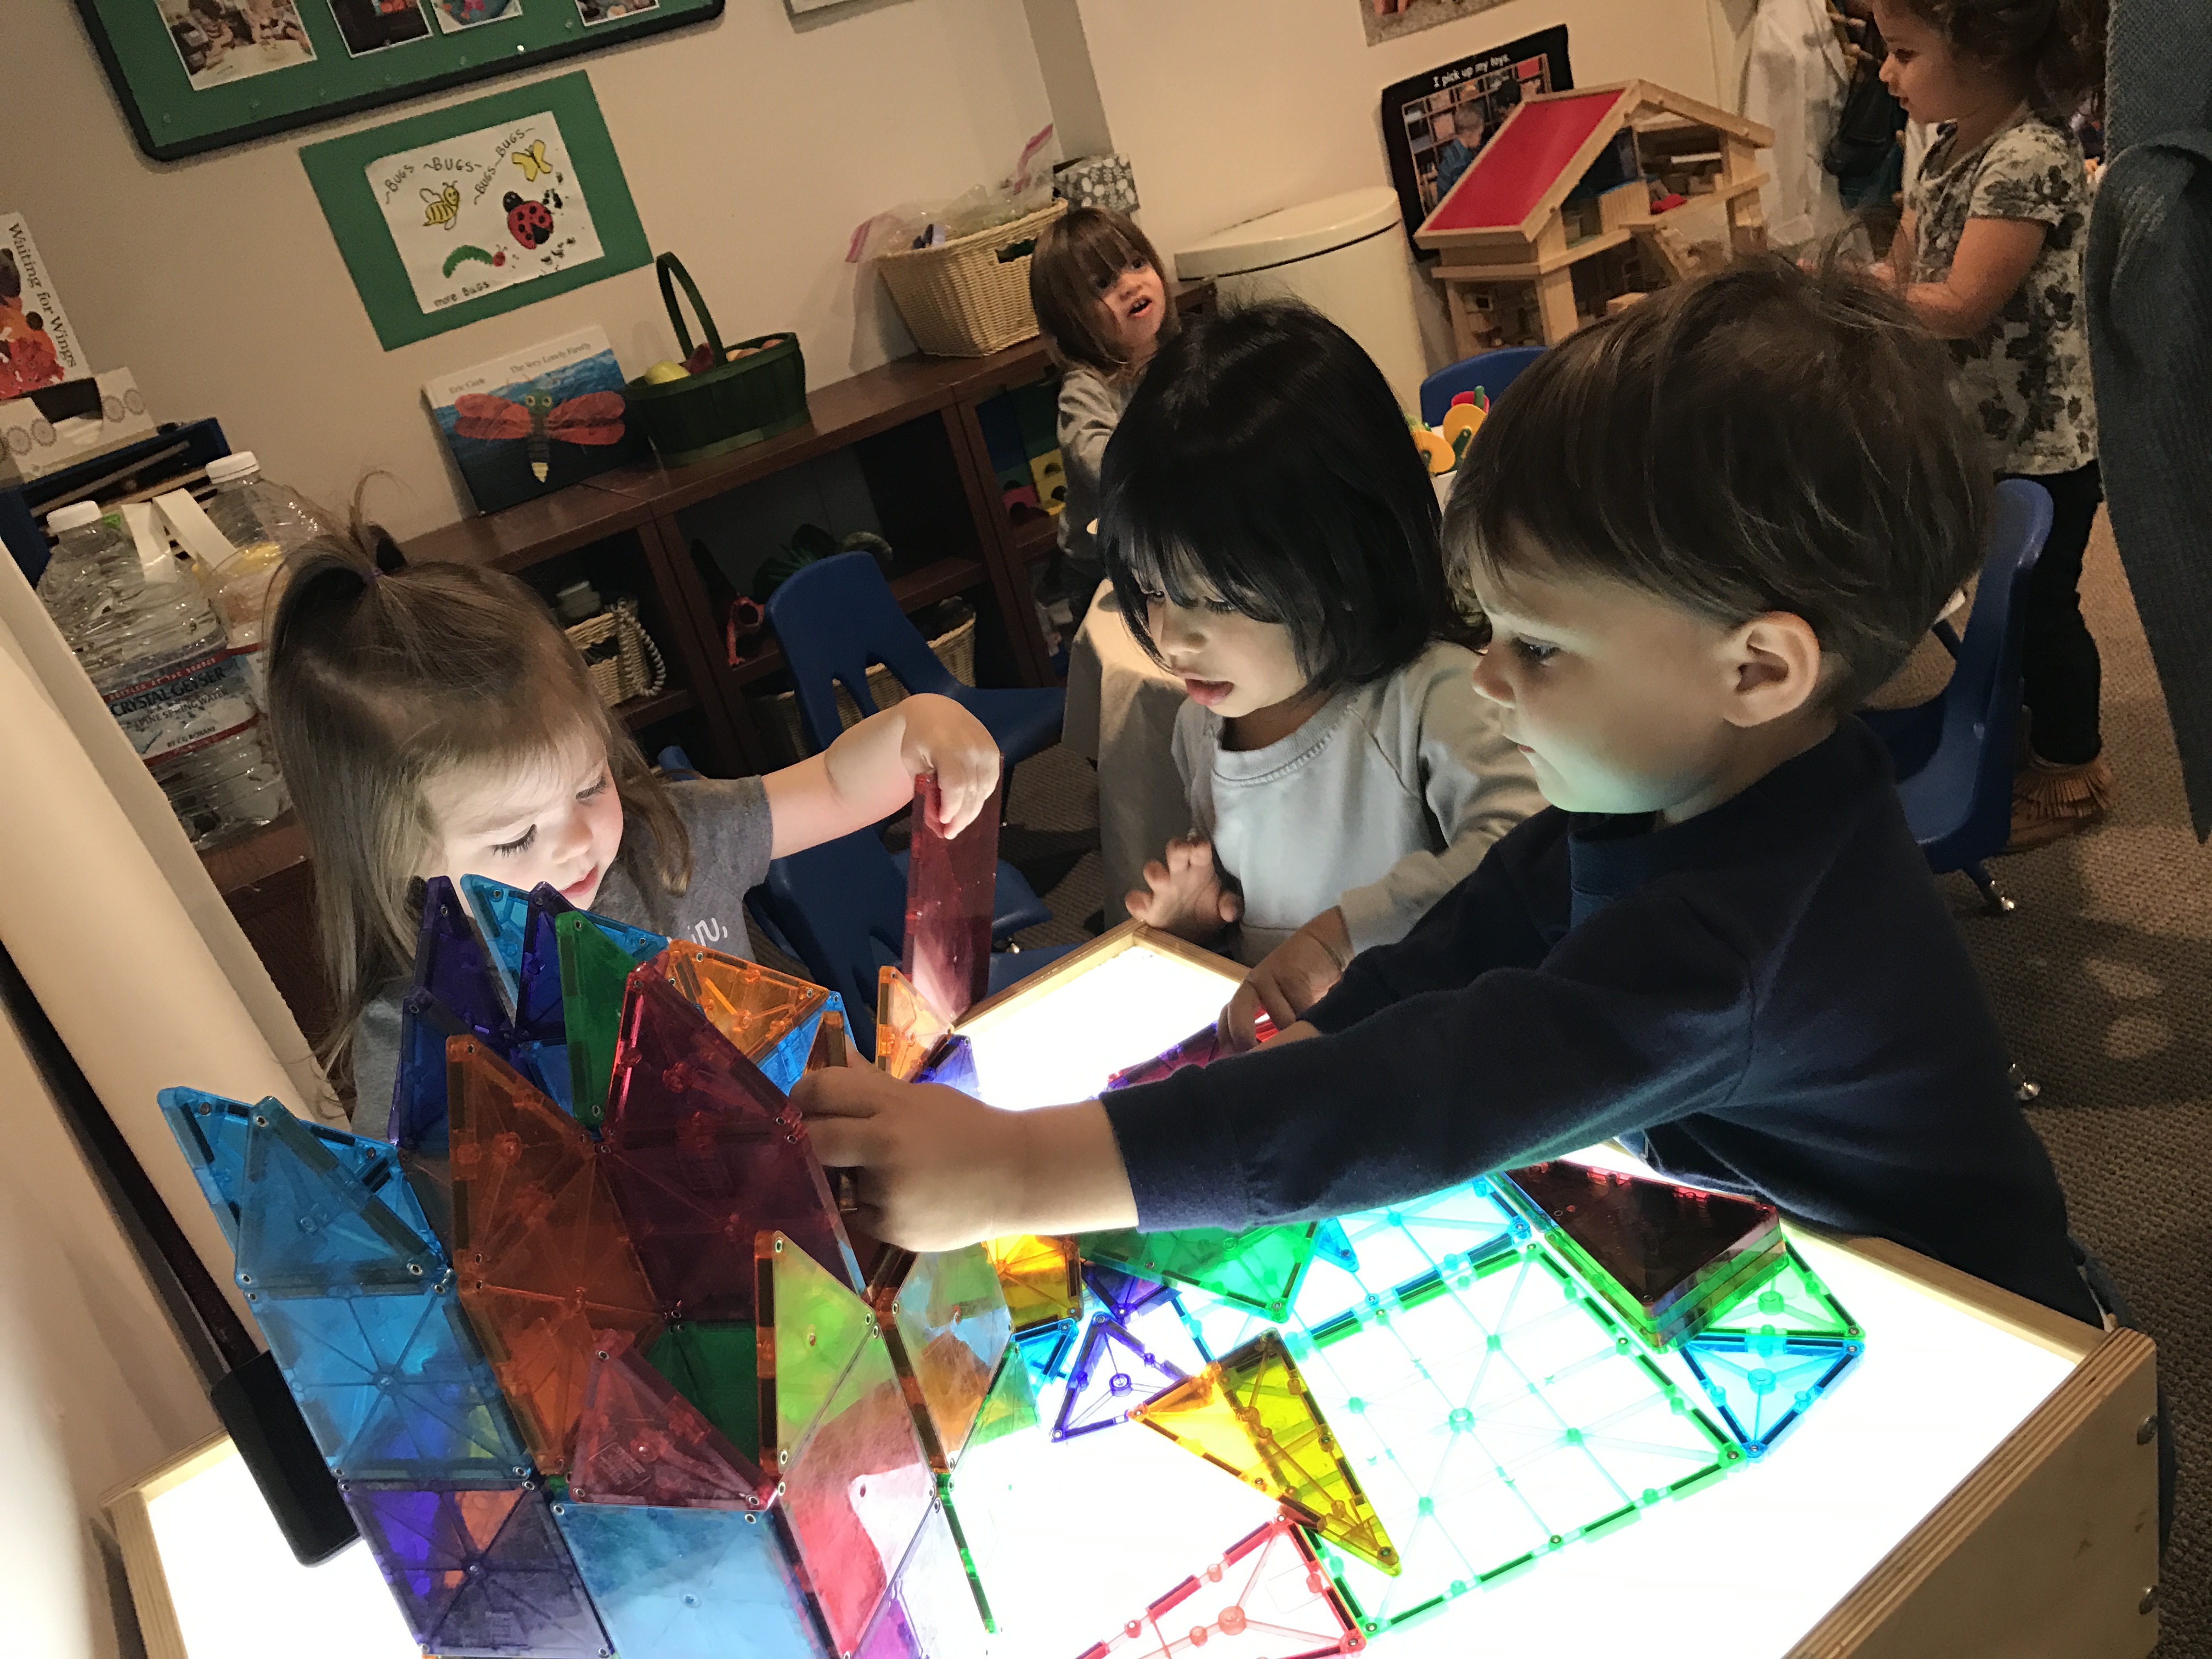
(626, 1389)
(1557, 216)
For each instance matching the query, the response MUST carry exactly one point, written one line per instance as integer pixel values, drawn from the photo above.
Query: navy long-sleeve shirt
(1771, 998)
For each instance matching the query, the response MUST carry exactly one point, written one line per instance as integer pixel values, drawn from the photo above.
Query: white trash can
(1345, 256)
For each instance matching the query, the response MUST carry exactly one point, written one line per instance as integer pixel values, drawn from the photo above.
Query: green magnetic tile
(1791, 1300)
(812, 1328)
(948, 1326)
(716, 1366)
(594, 972)
(1258, 1268)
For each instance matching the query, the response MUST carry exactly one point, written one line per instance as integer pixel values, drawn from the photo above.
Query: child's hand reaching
(938, 1169)
(1182, 893)
(868, 773)
(1290, 979)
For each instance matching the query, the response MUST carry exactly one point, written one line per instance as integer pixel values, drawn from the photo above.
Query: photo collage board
(1434, 123)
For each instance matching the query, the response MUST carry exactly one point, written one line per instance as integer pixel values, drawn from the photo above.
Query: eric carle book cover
(528, 424)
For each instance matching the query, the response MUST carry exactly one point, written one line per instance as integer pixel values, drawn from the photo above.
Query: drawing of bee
(444, 206)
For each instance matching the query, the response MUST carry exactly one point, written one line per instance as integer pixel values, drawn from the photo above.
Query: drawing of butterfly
(532, 162)
(594, 418)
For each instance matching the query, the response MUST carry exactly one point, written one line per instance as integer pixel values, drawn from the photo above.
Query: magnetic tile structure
(1664, 1256)
(769, 1017)
(909, 1027)
(689, 1583)
(1763, 1384)
(951, 882)
(946, 1320)
(1267, 1594)
(480, 1573)
(704, 1154)
(543, 1255)
(1251, 1413)
(594, 980)
(1112, 1373)
(1259, 1269)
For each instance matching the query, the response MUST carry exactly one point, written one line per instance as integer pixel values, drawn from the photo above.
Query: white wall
(752, 145)
(1231, 109)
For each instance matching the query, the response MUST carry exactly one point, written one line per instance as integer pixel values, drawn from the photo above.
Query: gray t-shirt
(2023, 380)
(1091, 407)
(1379, 804)
(731, 836)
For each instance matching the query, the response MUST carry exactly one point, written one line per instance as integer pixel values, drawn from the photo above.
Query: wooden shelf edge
(643, 711)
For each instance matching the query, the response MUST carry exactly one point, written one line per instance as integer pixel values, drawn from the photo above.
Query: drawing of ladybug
(529, 223)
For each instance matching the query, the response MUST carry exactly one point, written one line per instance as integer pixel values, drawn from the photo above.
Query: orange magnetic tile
(1042, 1277)
(908, 1028)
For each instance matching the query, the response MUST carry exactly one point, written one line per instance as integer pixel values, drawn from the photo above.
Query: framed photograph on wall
(197, 74)
(1434, 123)
(447, 218)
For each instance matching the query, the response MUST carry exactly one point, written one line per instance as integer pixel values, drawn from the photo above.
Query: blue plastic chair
(840, 909)
(1493, 371)
(1014, 905)
(1954, 753)
(837, 615)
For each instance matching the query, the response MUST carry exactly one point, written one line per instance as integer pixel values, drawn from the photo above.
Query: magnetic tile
(1199, 1048)
(1251, 1413)
(1042, 1276)
(594, 976)
(947, 1321)
(1113, 1371)
(479, 1574)
(1790, 1301)
(1265, 1595)
(682, 1583)
(812, 1327)
(936, 1607)
(908, 1028)
(638, 1441)
(307, 1226)
(768, 1017)
(953, 1065)
(950, 881)
(714, 1365)
(1045, 1349)
(501, 914)
(1762, 1384)
(1258, 1268)
(454, 992)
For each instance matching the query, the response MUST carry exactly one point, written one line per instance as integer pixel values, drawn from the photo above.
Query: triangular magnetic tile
(812, 1326)
(1041, 1274)
(1763, 1384)
(308, 1227)
(758, 1009)
(673, 1072)
(537, 1007)
(502, 915)
(945, 1319)
(640, 1442)
(953, 1065)
(1791, 1300)
(908, 1028)
(1258, 1268)
(594, 981)
(1112, 1372)
(1251, 1414)
(714, 1365)
(1268, 1588)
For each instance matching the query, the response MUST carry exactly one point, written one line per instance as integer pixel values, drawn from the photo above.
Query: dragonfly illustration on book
(596, 417)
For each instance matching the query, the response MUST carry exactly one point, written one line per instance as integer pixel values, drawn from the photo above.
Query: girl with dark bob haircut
(1272, 537)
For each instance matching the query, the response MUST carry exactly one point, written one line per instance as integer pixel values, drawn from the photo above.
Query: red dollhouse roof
(1537, 142)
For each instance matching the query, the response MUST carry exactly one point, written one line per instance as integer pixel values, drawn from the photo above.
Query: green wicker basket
(737, 401)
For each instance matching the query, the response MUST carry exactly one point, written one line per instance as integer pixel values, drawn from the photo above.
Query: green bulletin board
(447, 218)
(197, 74)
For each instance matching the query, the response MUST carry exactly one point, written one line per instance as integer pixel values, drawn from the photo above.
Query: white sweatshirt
(1379, 804)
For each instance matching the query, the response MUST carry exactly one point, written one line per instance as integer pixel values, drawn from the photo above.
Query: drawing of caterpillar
(468, 251)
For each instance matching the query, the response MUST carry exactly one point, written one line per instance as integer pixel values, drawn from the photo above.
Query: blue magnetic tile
(1121, 1292)
(1762, 1384)
(1112, 1372)
(1332, 1245)
(954, 1065)
(1045, 1348)
(786, 1063)
(395, 1387)
(454, 993)
(689, 1583)
(502, 914)
(537, 1015)
(479, 1574)
(309, 1226)
(212, 1130)
(546, 1065)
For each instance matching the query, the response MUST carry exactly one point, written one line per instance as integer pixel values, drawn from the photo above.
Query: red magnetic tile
(640, 1442)
(949, 890)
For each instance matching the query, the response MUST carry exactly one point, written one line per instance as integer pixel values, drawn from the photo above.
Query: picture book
(526, 425)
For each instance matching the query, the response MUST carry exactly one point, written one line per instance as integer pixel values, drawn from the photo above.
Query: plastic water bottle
(154, 647)
(264, 522)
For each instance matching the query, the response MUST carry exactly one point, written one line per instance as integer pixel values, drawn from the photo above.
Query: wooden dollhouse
(1565, 213)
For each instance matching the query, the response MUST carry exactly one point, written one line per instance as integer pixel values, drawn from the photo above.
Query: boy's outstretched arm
(868, 773)
(940, 1168)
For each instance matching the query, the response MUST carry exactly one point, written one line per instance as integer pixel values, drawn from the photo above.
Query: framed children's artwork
(537, 421)
(197, 74)
(1434, 123)
(461, 214)
(1386, 19)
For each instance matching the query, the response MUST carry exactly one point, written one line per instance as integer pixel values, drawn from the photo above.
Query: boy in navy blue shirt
(1702, 533)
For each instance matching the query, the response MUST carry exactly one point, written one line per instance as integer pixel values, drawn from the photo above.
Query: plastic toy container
(734, 402)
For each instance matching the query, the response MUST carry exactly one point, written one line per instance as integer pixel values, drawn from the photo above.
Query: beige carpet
(2102, 979)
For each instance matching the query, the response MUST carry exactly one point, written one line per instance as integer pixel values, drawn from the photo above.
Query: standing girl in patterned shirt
(1990, 257)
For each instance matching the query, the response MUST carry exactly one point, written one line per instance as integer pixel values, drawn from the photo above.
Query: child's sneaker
(2050, 802)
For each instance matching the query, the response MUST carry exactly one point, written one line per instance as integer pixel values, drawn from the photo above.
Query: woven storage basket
(969, 297)
(955, 648)
(734, 401)
(634, 668)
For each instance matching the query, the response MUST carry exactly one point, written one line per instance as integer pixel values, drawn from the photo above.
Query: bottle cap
(229, 469)
(75, 516)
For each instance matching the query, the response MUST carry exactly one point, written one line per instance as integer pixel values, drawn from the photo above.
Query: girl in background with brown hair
(432, 719)
(1102, 302)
